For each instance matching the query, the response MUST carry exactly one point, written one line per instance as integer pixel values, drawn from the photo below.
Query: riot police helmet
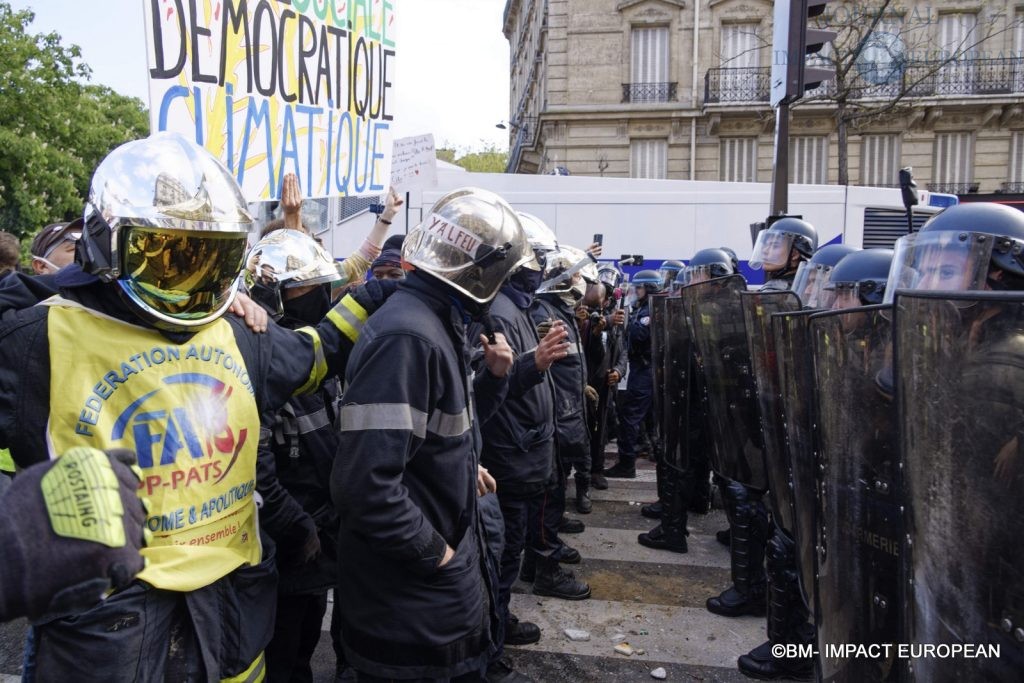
(774, 247)
(167, 222)
(971, 246)
(812, 276)
(668, 270)
(859, 279)
(648, 280)
(471, 240)
(705, 265)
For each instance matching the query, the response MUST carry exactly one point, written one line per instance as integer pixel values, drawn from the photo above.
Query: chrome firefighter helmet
(285, 259)
(471, 240)
(167, 222)
(541, 238)
(564, 261)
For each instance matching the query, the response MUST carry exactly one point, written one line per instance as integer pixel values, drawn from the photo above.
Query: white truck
(662, 219)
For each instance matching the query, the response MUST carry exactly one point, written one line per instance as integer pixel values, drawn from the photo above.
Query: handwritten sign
(413, 163)
(279, 86)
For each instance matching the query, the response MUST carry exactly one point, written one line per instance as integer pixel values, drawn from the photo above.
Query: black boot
(554, 581)
(598, 482)
(583, 504)
(651, 510)
(571, 526)
(567, 555)
(625, 468)
(520, 632)
(657, 538)
(748, 523)
(724, 537)
(787, 616)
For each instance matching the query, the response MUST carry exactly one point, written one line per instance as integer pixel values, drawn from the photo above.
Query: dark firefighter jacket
(404, 484)
(519, 440)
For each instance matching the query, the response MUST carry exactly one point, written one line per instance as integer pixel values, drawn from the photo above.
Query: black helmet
(669, 269)
(732, 256)
(999, 220)
(649, 280)
(859, 279)
(957, 249)
(705, 265)
(774, 245)
(812, 276)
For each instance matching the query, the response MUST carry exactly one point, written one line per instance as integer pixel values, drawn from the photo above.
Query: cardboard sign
(279, 86)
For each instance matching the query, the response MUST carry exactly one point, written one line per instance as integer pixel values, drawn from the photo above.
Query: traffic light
(792, 41)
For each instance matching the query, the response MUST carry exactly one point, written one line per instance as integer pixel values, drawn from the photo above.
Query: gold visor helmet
(167, 222)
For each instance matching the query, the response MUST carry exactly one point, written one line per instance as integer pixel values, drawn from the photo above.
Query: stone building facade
(630, 88)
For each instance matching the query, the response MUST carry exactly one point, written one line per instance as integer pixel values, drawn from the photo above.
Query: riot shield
(758, 308)
(717, 329)
(658, 336)
(796, 385)
(859, 519)
(676, 397)
(960, 379)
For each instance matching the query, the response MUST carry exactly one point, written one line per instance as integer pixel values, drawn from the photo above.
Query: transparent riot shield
(676, 397)
(796, 386)
(859, 518)
(960, 379)
(716, 319)
(758, 308)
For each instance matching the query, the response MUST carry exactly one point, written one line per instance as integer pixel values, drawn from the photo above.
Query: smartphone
(598, 239)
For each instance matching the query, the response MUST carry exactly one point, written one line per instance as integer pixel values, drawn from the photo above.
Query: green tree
(54, 127)
(488, 160)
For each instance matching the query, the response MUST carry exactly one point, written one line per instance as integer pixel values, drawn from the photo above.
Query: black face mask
(526, 281)
(308, 309)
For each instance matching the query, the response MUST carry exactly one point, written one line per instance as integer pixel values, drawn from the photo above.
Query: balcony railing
(1012, 187)
(647, 93)
(923, 79)
(743, 84)
(953, 188)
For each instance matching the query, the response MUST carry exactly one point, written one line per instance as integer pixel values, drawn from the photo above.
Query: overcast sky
(453, 61)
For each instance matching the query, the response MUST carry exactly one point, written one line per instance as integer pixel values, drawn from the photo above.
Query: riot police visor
(941, 260)
(810, 284)
(772, 250)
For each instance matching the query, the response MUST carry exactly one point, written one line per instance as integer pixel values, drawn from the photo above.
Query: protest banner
(279, 86)
(413, 163)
